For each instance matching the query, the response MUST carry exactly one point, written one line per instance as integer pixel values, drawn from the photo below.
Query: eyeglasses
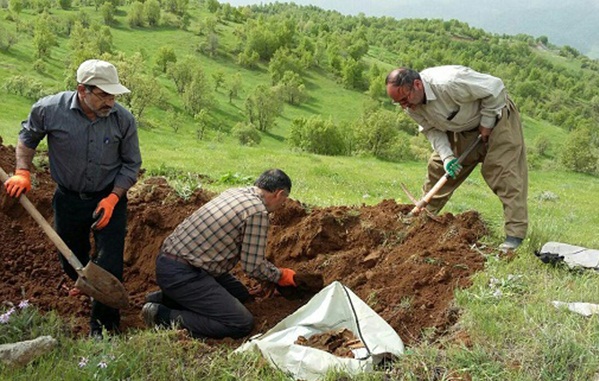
(404, 99)
(104, 97)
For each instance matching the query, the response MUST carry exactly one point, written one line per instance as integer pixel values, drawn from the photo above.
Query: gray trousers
(504, 169)
(209, 307)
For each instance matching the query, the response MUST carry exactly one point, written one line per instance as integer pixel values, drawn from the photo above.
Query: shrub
(578, 154)
(165, 55)
(7, 39)
(541, 145)
(24, 86)
(40, 66)
(317, 136)
(246, 134)
(376, 132)
(420, 148)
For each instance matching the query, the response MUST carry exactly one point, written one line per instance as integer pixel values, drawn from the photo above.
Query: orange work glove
(104, 210)
(19, 183)
(287, 277)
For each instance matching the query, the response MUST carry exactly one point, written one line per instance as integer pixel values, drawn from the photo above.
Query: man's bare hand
(485, 133)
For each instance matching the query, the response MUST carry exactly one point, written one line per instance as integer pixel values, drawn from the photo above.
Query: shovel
(420, 205)
(93, 280)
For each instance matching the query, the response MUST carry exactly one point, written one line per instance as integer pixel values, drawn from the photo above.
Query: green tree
(352, 75)
(177, 7)
(209, 45)
(578, 153)
(41, 6)
(65, 4)
(145, 89)
(208, 25)
(212, 5)
(262, 108)
(24, 86)
(101, 38)
(175, 119)
(15, 6)
(152, 12)
(197, 95)
(107, 12)
(234, 86)
(135, 17)
(84, 18)
(202, 120)
(165, 55)
(218, 77)
(282, 61)
(43, 36)
(7, 39)
(248, 58)
(291, 88)
(181, 72)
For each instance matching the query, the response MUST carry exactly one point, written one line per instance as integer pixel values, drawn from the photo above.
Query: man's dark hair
(273, 180)
(402, 77)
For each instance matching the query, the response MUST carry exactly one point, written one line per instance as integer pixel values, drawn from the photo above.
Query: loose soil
(406, 269)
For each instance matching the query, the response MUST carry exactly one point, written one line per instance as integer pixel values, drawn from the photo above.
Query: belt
(86, 195)
(175, 258)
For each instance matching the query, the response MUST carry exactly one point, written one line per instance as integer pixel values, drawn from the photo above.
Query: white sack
(333, 308)
(584, 309)
(574, 256)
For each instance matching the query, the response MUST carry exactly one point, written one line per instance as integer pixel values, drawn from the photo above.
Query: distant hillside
(571, 22)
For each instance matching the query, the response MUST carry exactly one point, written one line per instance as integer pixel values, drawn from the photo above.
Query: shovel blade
(101, 285)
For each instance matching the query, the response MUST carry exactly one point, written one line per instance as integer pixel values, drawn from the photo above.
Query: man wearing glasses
(94, 157)
(452, 106)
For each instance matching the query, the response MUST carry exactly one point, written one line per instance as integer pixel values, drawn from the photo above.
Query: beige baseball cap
(101, 74)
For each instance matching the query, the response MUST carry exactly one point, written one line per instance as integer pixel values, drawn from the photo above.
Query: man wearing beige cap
(94, 157)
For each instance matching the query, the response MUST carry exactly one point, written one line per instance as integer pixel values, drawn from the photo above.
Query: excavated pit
(406, 269)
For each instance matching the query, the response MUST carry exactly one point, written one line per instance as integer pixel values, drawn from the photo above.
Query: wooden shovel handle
(54, 237)
(429, 195)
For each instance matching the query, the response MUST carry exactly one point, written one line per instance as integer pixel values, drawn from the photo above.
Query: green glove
(452, 167)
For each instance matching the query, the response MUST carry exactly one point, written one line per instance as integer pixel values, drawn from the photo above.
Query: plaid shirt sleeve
(253, 249)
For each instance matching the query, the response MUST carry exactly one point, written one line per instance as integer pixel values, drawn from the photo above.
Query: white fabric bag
(333, 308)
(574, 256)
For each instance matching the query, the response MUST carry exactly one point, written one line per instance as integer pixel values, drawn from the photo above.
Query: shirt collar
(75, 102)
(428, 92)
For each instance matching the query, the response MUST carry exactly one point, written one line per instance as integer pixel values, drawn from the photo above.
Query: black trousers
(209, 307)
(72, 221)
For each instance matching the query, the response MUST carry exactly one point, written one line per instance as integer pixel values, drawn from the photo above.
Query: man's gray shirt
(85, 155)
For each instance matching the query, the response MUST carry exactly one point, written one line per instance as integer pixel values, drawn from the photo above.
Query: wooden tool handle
(429, 195)
(54, 237)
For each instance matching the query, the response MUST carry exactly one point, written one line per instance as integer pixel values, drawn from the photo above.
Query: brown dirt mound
(405, 269)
